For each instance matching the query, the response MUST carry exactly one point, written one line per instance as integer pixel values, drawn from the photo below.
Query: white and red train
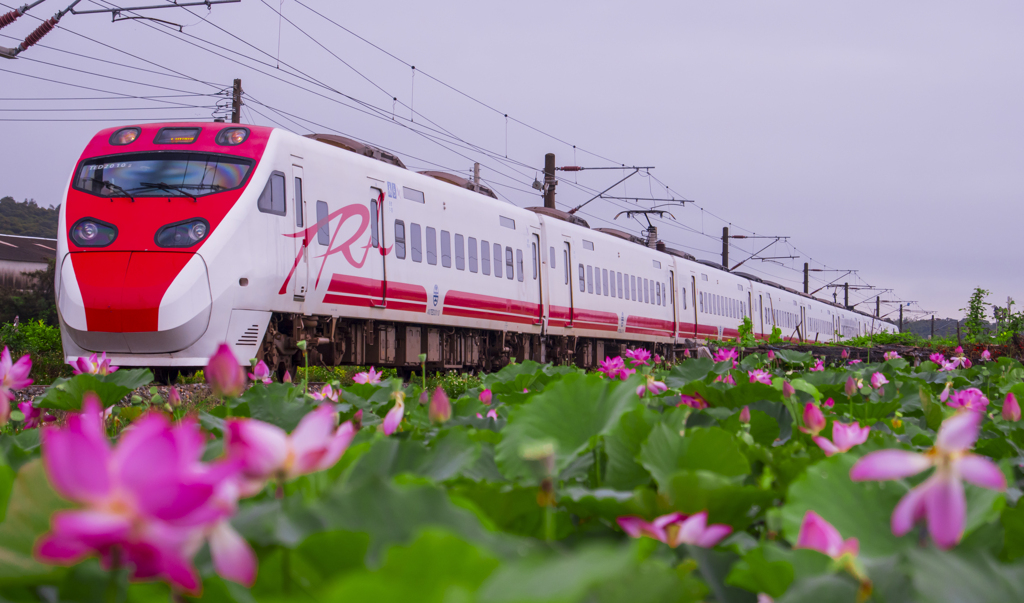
(177, 237)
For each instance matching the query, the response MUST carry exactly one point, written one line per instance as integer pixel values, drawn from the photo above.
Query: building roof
(16, 248)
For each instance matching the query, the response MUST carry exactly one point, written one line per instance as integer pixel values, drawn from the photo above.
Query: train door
(693, 292)
(300, 279)
(760, 313)
(567, 279)
(377, 254)
(673, 298)
(536, 273)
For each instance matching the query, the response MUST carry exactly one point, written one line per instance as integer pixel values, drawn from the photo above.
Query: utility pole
(806, 277)
(549, 180)
(236, 102)
(901, 318)
(476, 176)
(878, 306)
(846, 295)
(725, 247)
(933, 328)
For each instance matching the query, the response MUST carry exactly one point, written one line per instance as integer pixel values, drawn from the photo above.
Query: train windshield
(162, 174)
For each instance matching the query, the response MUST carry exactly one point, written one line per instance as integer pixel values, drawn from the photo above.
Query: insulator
(34, 37)
(9, 18)
(571, 168)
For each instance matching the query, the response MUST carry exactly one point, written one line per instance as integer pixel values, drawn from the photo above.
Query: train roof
(560, 215)
(360, 148)
(460, 182)
(625, 236)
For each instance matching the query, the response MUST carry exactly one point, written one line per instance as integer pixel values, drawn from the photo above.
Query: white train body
(369, 262)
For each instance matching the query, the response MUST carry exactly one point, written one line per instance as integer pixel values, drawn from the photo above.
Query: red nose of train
(143, 203)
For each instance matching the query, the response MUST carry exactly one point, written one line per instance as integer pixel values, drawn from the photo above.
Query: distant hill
(28, 218)
(944, 327)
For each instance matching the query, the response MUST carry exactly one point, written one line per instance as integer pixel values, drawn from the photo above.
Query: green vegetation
(42, 342)
(28, 219)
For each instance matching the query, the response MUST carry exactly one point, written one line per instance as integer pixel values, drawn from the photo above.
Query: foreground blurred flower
(147, 505)
(844, 437)
(224, 374)
(440, 407)
(13, 375)
(266, 451)
(325, 394)
(1011, 408)
(986, 355)
(760, 376)
(818, 366)
(638, 356)
(971, 398)
(394, 416)
(486, 396)
(937, 358)
(651, 386)
(819, 535)
(878, 380)
(675, 529)
(940, 498)
(814, 421)
(93, 365)
(261, 373)
(35, 417)
(695, 401)
(369, 376)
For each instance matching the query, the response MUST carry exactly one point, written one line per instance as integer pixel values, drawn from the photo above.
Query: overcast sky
(883, 137)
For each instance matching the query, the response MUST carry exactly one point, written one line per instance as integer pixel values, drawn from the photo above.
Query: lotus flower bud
(986, 355)
(771, 355)
(287, 377)
(486, 396)
(829, 403)
(851, 386)
(788, 389)
(440, 407)
(225, 376)
(424, 397)
(845, 355)
(814, 421)
(173, 397)
(1011, 408)
(959, 349)
(745, 415)
(357, 420)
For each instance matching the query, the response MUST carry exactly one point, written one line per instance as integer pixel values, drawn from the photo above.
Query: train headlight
(232, 136)
(183, 234)
(125, 136)
(90, 232)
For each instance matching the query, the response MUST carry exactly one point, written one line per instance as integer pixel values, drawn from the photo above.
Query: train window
(652, 290)
(632, 287)
(703, 277)
(414, 240)
(588, 245)
(298, 202)
(657, 264)
(323, 232)
(507, 222)
(431, 246)
(684, 298)
(446, 249)
(700, 299)
(460, 252)
(497, 260)
(583, 280)
(552, 254)
(374, 241)
(590, 279)
(618, 280)
(400, 239)
(271, 200)
(485, 258)
(472, 254)
(671, 290)
(533, 257)
(658, 291)
(604, 281)
(508, 264)
(597, 280)
(647, 297)
(519, 265)
(412, 195)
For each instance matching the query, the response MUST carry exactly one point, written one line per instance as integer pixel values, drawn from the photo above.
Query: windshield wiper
(113, 187)
(169, 187)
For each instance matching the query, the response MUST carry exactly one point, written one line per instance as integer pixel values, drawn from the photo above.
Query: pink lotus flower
(287, 377)
(760, 376)
(266, 451)
(819, 535)
(675, 529)
(369, 376)
(788, 389)
(224, 374)
(960, 361)
(844, 437)
(959, 349)
(845, 354)
(1011, 408)
(615, 368)
(814, 421)
(878, 380)
(771, 355)
(986, 356)
(686, 353)
(937, 358)
(357, 420)
(949, 366)
(940, 498)
(440, 407)
(92, 365)
(891, 355)
(726, 378)
(394, 417)
(818, 366)
(638, 356)
(424, 398)
(491, 414)
(971, 399)
(486, 396)
(13, 375)
(695, 401)
(657, 359)
(651, 386)
(326, 394)
(745, 415)
(261, 373)
(35, 417)
(853, 386)
(174, 397)
(150, 502)
(853, 362)
(828, 403)
(724, 354)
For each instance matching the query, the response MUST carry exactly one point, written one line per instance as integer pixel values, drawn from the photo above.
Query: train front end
(149, 208)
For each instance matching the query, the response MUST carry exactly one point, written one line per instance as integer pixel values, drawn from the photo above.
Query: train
(176, 237)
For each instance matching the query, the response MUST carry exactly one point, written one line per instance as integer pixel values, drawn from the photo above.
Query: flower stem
(549, 523)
